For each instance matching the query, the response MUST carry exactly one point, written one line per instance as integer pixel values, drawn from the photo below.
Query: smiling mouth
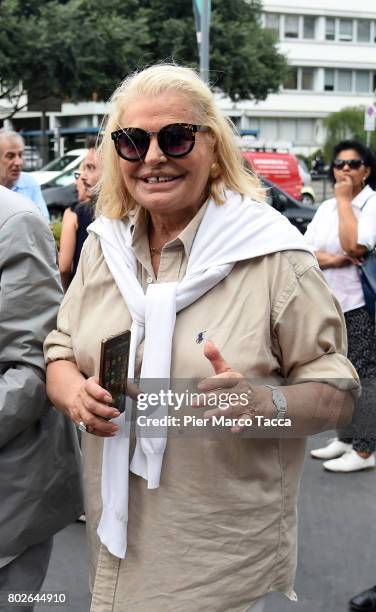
(159, 179)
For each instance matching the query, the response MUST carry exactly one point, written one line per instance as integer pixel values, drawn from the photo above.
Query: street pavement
(337, 544)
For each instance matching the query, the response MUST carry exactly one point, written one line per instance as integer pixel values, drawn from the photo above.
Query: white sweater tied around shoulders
(237, 230)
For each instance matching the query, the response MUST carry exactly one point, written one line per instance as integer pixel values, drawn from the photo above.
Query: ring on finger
(82, 427)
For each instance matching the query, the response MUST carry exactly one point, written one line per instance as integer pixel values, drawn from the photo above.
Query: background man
(90, 170)
(39, 468)
(78, 217)
(11, 175)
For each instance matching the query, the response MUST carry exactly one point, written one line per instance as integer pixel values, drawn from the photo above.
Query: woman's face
(185, 189)
(357, 176)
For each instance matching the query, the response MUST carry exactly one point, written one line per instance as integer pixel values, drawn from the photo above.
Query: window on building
(236, 121)
(291, 26)
(363, 30)
(329, 79)
(330, 28)
(309, 26)
(305, 134)
(344, 80)
(286, 129)
(307, 79)
(362, 82)
(374, 81)
(272, 22)
(292, 79)
(6, 88)
(345, 29)
(269, 129)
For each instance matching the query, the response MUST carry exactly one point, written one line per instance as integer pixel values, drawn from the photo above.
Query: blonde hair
(114, 200)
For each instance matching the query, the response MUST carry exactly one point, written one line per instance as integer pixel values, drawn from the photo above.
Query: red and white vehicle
(274, 162)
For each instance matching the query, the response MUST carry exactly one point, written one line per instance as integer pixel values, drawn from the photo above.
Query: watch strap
(279, 401)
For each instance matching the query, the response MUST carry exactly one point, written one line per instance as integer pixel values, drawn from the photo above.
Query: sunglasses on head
(353, 164)
(175, 140)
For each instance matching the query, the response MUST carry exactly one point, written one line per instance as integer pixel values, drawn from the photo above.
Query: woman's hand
(328, 260)
(339, 261)
(244, 400)
(90, 405)
(343, 190)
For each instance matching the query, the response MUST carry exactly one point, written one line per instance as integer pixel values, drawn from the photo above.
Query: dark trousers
(25, 573)
(362, 353)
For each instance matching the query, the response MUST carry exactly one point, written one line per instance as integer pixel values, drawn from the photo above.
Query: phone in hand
(113, 369)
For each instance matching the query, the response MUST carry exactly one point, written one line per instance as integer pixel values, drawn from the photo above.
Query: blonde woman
(216, 286)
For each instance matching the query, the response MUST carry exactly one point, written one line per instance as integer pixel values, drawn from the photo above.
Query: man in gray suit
(39, 461)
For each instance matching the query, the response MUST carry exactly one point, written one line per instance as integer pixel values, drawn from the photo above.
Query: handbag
(368, 276)
(368, 280)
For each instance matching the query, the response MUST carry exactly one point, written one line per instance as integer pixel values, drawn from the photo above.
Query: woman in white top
(341, 233)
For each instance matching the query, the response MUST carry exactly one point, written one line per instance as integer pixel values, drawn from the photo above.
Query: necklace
(154, 251)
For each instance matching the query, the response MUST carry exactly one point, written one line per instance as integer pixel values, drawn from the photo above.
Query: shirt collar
(20, 183)
(139, 231)
(363, 196)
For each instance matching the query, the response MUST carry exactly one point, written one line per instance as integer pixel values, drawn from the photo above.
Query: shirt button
(149, 280)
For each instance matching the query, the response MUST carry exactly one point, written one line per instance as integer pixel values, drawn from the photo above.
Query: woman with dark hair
(342, 232)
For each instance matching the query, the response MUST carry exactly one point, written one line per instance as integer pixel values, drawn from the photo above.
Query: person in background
(11, 175)
(77, 217)
(341, 233)
(186, 250)
(364, 601)
(39, 456)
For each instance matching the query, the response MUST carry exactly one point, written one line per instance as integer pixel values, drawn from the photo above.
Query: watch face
(279, 400)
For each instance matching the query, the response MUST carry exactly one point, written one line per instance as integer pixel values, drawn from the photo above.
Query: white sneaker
(335, 448)
(350, 462)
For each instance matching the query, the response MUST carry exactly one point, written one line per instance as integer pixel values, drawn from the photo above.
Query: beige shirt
(220, 532)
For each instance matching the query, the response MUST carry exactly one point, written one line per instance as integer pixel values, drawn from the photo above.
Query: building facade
(331, 48)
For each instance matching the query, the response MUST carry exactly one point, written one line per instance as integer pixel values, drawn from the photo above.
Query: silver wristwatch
(279, 401)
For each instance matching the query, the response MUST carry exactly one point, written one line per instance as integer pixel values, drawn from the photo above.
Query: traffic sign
(370, 118)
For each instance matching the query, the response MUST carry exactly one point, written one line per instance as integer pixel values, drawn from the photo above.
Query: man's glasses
(76, 175)
(175, 140)
(353, 164)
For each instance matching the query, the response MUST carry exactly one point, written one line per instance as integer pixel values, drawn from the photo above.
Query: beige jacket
(220, 532)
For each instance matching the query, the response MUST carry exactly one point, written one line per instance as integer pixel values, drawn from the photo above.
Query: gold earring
(215, 170)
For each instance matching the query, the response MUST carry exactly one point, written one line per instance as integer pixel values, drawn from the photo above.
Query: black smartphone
(113, 369)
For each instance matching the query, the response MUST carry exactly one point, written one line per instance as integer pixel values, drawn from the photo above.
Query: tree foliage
(73, 49)
(346, 123)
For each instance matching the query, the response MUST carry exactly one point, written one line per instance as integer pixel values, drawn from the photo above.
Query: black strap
(367, 200)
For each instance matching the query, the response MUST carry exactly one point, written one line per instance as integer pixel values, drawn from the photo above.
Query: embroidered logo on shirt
(200, 337)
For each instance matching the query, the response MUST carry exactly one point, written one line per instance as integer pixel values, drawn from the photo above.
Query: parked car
(307, 193)
(69, 161)
(297, 213)
(282, 169)
(32, 159)
(60, 192)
